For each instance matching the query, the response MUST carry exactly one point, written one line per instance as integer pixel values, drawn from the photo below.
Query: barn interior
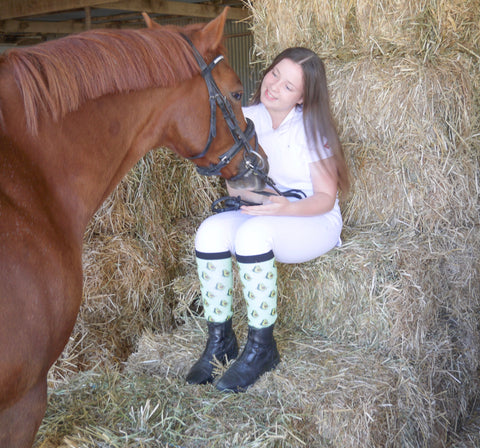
(380, 338)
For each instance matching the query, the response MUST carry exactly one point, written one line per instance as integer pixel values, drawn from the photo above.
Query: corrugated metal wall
(239, 45)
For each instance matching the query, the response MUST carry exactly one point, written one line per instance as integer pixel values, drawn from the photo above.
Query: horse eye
(237, 95)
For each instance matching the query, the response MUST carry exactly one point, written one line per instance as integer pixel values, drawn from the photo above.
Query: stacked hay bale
(404, 79)
(379, 338)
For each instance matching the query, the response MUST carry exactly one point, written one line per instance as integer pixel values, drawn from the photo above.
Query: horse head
(230, 146)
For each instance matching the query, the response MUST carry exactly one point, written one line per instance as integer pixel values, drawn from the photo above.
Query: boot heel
(260, 355)
(221, 344)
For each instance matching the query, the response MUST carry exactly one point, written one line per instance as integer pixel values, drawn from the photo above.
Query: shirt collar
(295, 112)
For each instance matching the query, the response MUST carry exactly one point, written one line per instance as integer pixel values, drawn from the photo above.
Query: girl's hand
(277, 205)
(324, 181)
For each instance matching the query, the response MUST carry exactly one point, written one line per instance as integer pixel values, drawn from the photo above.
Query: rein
(230, 203)
(251, 155)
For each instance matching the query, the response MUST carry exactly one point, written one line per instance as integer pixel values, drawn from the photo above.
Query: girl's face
(282, 87)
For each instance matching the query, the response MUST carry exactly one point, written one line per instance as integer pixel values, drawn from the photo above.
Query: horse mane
(58, 76)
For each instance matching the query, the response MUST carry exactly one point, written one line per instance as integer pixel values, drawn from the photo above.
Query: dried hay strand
(470, 435)
(322, 394)
(133, 248)
(347, 28)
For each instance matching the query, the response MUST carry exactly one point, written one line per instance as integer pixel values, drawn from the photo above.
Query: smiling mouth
(268, 95)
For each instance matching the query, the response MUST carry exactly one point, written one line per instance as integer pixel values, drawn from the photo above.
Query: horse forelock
(59, 76)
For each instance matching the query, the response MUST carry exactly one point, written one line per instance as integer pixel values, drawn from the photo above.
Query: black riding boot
(221, 344)
(259, 356)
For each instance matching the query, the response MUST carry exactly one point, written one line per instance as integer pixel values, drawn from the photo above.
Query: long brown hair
(317, 116)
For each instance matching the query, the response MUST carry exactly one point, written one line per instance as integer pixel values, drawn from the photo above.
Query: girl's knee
(209, 236)
(217, 232)
(254, 237)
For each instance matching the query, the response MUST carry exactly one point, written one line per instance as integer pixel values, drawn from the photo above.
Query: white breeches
(292, 239)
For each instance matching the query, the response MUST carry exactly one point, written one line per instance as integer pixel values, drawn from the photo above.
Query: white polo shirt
(286, 147)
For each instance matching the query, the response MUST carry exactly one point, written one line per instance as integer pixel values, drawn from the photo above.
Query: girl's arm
(324, 181)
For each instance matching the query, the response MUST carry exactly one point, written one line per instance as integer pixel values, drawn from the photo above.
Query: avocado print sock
(258, 275)
(216, 285)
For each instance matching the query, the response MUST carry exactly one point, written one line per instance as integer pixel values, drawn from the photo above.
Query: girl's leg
(216, 284)
(258, 275)
(214, 264)
(293, 240)
(217, 233)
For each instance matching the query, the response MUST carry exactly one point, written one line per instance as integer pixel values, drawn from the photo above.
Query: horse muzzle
(252, 172)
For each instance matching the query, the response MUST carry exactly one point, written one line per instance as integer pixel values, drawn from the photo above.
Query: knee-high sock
(258, 275)
(216, 285)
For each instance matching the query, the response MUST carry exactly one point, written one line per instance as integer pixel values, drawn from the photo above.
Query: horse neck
(84, 156)
(124, 129)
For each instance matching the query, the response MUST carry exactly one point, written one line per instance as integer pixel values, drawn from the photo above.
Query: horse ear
(211, 34)
(149, 22)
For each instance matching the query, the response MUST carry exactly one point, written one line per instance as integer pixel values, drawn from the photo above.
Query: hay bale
(411, 127)
(322, 394)
(325, 25)
(345, 29)
(425, 28)
(326, 388)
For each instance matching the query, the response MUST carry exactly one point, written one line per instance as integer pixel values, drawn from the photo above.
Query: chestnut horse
(75, 115)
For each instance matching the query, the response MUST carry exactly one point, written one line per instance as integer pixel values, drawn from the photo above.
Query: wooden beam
(64, 27)
(29, 27)
(68, 27)
(11, 9)
(178, 8)
(19, 8)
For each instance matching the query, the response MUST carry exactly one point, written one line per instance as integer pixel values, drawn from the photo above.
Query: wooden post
(88, 18)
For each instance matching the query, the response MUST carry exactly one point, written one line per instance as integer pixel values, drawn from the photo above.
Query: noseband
(253, 161)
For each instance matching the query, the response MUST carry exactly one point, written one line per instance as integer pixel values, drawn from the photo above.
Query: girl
(292, 117)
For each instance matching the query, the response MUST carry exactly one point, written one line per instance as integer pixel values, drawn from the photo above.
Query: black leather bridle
(253, 161)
